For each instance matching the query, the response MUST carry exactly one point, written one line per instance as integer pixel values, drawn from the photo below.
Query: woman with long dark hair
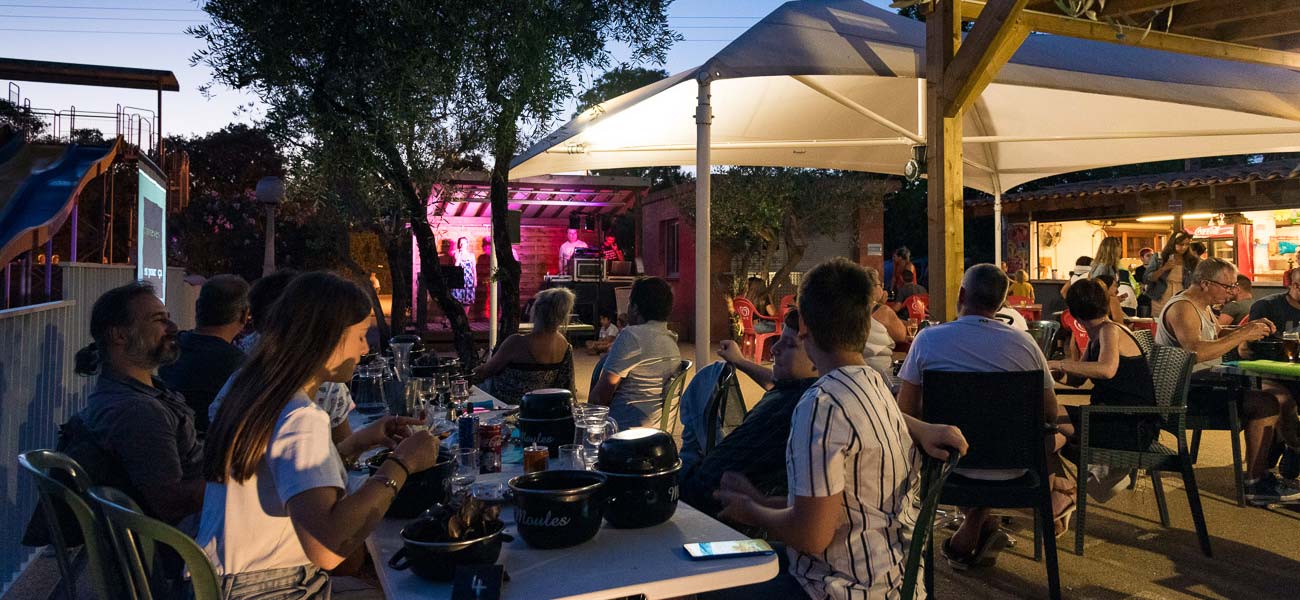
(1170, 272)
(275, 516)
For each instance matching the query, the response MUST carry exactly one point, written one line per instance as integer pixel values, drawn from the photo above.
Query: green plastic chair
(934, 474)
(135, 538)
(43, 464)
(1171, 371)
(671, 400)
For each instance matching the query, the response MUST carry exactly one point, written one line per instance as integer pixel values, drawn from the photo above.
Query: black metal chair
(1001, 416)
(1044, 334)
(1221, 415)
(1171, 371)
(934, 474)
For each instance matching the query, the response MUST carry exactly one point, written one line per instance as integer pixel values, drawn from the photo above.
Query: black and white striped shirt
(848, 435)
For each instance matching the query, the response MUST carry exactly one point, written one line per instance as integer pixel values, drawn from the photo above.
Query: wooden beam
(1171, 42)
(996, 36)
(1258, 28)
(1219, 13)
(1289, 43)
(945, 202)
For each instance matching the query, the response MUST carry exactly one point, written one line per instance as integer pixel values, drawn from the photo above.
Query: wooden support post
(944, 160)
(996, 36)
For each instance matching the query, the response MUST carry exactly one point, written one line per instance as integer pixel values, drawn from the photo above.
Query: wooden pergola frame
(1260, 31)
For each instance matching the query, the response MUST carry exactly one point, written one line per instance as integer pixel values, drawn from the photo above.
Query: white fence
(39, 391)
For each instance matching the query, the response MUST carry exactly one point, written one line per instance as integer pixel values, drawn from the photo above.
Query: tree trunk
(508, 270)
(793, 254)
(398, 250)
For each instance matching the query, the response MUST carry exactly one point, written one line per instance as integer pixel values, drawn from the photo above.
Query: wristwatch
(386, 482)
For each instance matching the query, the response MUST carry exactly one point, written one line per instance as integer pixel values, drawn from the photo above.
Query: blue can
(467, 431)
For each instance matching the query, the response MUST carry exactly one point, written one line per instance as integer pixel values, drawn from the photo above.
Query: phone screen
(707, 550)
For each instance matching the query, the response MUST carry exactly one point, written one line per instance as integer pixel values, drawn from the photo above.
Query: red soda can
(489, 447)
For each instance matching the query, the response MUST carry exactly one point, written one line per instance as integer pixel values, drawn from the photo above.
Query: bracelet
(386, 482)
(398, 462)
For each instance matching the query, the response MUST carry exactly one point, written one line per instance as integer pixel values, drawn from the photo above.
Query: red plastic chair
(918, 306)
(755, 341)
(787, 303)
(1019, 300)
(1077, 331)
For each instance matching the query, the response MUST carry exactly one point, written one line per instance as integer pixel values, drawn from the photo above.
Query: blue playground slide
(42, 182)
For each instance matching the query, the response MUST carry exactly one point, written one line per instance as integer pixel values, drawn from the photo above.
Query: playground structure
(70, 174)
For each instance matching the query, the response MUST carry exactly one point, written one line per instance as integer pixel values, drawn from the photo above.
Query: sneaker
(1271, 490)
(1289, 468)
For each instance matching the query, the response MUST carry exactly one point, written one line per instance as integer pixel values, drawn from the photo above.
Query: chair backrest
(1019, 300)
(1244, 319)
(670, 401)
(43, 466)
(595, 372)
(726, 408)
(1044, 334)
(1077, 332)
(999, 413)
(787, 302)
(1145, 340)
(934, 474)
(136, 536)
(746, 310)
(1171, 376)
(917, 306)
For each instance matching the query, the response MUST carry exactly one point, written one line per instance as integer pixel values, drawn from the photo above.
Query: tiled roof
(1265, 171)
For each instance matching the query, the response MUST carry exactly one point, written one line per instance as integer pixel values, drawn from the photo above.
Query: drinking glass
(460, 392)
(401, 358)
(570, 458)
(535, 458)
(911, 328)
(466, 467)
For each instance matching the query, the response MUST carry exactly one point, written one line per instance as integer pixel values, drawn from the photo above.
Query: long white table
(616, 563)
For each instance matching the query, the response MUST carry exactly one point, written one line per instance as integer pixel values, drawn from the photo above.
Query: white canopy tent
(840, 84)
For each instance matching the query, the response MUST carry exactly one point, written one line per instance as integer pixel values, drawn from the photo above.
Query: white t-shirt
(566, 252)
(245, 526)
(646, 357)
(1018, 321)
(975, 344)
(848, 435)
(609, 331)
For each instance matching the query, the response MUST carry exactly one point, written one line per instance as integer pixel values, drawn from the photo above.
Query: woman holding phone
(275, 513)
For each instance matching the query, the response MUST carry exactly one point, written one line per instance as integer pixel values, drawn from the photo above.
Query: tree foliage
(20, 119)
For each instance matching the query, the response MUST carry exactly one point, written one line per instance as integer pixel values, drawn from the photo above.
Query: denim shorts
(307, 582)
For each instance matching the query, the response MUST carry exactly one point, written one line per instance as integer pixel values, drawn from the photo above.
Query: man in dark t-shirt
(208, 358)
(1282, 309)
(756, 448)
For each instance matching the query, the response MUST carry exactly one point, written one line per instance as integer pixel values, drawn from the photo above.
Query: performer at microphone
(567, 249)
(610, 249)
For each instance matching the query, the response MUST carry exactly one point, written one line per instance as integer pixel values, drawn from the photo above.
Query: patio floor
(1128, 553)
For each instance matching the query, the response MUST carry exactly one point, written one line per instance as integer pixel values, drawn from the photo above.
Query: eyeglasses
(1227, 286)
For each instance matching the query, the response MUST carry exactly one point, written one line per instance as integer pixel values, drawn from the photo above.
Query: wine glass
(460, 393)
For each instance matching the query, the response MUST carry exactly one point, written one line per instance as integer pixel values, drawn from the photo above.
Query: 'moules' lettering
(547, 520)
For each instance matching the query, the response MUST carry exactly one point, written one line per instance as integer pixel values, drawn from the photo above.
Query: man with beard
(145, 429)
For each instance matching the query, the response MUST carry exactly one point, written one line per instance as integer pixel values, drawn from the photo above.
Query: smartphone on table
(731, 549)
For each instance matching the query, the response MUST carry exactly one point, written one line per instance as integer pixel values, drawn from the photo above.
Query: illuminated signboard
(151, 233)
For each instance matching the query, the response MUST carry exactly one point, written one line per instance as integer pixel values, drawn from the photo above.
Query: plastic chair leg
(1049, 545)
(1196, 444)
(1198, 515)
(929, 566)
(1160, 497)
(1038, 534)
(1238, 470)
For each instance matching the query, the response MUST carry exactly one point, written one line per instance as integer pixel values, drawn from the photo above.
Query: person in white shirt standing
(570, 244)
(275, 516)
(850, 458)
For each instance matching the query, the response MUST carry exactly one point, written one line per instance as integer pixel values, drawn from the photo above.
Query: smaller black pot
(437, 561)
(551, 433)
(421, 490)
(637, 451)
(643, 500)
(558, 509)
(549, 403)
(1267, 349)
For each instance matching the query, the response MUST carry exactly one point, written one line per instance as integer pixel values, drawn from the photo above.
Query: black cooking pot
(637, 451)
(642, 466)
(421, 490)
(551, 433)
(1267, 349)
(549, 403)
(641, 500)
(438, 560)
(558, 509)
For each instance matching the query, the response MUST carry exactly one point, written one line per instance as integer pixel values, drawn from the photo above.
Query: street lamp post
(270, 190)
